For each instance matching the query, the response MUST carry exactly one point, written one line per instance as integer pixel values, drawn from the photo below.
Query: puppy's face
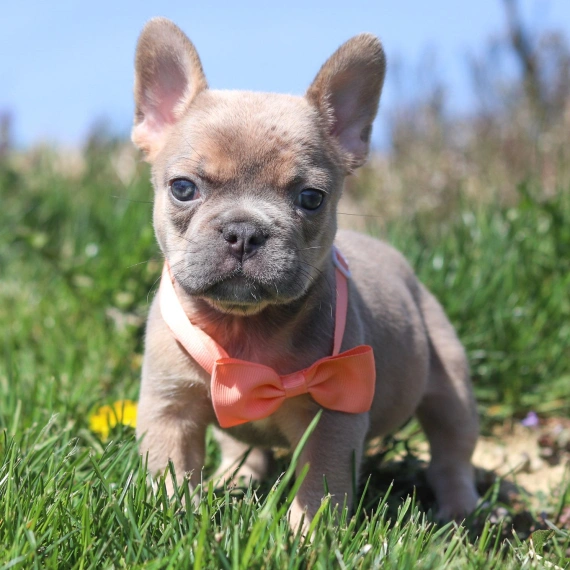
(247, 183)
(247, 186)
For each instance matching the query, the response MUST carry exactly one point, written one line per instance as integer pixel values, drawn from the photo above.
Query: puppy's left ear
(346, 92)
(168, 76)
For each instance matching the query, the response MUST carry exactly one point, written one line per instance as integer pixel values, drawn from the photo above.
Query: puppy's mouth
(235, 289)
(237, 294)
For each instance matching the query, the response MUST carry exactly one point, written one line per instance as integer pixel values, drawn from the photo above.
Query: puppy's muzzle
(243, 239)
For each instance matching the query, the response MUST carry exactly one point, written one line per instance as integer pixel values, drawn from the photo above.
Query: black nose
(243, 239)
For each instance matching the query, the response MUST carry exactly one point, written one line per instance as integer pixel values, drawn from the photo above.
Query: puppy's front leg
(173, 427)
(333, 451)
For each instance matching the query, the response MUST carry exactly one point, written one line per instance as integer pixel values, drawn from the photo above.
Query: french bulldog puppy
(246, 193)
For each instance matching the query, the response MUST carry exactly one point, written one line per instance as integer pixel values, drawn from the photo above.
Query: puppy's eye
(309, 199)
(184, 190)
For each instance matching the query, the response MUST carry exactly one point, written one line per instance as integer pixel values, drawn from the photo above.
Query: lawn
(78, 266)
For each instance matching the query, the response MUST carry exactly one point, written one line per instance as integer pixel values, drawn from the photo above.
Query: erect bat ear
(168, 76)
(347, 91)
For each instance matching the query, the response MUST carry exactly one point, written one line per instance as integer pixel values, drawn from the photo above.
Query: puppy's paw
(241, 477)
(454, 487)
(298, 519)
(457, 506)
(252, 470)
(240, 464)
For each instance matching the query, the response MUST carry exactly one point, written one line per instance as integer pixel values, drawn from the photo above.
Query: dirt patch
(535, 459)
(523, 471)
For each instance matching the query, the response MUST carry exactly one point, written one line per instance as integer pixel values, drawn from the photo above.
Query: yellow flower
(107, 417)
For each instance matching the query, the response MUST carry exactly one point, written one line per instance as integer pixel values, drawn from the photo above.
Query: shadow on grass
(395, 469)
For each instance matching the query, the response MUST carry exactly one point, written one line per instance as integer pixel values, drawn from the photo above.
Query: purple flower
(531, 420)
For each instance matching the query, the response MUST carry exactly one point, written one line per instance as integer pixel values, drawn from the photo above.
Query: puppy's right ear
(346, 92)
(168, 76)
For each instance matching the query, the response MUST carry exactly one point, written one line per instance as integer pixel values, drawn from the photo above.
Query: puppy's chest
(280, 354)
(261, 433)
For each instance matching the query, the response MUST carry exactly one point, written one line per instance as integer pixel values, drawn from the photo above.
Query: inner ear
(347, 91)
(168, 76)
(162, 90)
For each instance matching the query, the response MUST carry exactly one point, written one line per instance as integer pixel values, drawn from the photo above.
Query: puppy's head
(247, 184)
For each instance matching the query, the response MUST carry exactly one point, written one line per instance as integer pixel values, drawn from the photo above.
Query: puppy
(246, 193)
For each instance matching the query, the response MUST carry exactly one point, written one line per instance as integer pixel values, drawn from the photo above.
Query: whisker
(361, 215)
(151, 288)
(131, 200)
(140, 263)
(306, 248)
(158, 279)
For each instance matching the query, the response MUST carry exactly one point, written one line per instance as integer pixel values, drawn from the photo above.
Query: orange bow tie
(245, 391)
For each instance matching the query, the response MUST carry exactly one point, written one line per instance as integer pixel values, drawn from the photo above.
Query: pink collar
(245, 391)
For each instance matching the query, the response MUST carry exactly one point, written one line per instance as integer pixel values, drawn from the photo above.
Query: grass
(78, 265)
(503, 275)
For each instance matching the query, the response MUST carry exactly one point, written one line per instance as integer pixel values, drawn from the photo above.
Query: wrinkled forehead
(268, 139)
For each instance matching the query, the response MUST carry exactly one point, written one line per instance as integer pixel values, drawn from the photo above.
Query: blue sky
(64, 64)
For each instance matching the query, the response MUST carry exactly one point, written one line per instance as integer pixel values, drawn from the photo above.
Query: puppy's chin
(237, 309)
(238, 296)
